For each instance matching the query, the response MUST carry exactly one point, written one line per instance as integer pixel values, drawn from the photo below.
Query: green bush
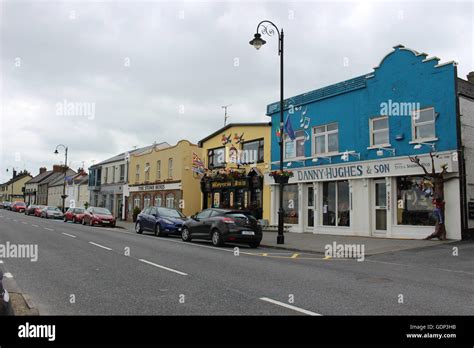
(136, 211)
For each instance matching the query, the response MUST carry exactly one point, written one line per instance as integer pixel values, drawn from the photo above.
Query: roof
(39, 177)
(220, 130)
(57, 178)
(16, 178)
(122, 155)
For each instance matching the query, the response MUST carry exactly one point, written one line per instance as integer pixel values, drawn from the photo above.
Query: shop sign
(223, 184)
(157, 187)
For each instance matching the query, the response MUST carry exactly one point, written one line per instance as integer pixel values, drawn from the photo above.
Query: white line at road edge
(70, 235)
(301, 310)
(8, 275)
(163, 267)
(100, 246)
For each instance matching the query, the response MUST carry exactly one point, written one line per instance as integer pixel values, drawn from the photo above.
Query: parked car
(50, 212)
(223, 225)
(5, 308)
(30, 210)
(74, 214)
(2, 205)
(6, 205)
(38, 210)
(161, 221)
(18, 207)
(98, 216)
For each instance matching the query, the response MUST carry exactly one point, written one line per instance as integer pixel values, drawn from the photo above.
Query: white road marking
(163, 267)
(1, 262)
(49, 229)
(70, 235)
(100, 246)
(15, 220)
(301, 310)
(24, 223)
(34, 225)
(8, 275)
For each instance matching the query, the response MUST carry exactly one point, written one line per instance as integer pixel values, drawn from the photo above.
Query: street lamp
(65, 172)
(13, 183)
(258, 42)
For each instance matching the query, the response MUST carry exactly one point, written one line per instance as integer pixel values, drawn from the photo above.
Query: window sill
(424, 140)
(373, 147)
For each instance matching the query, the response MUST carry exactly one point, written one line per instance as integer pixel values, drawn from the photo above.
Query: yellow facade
(164, 177)
(17, 187)
(232, 137)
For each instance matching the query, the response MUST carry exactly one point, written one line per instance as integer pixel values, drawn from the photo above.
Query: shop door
(309, 206)
(380, 207)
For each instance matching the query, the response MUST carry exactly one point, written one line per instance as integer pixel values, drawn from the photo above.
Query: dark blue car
(161, 221)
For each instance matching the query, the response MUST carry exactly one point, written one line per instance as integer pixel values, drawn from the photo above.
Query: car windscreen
(102, 211)
(53, 208)
(165, 212)
(21, 204)
(79, 210)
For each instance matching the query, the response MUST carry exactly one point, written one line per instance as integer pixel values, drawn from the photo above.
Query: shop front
(389, 198)
(231, 191)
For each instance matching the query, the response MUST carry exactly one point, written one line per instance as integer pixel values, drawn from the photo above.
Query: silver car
(50, 212)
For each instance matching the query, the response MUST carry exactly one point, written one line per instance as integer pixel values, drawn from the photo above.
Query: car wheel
(158, 231)
(216, 238)
(138, 228)
(254, 245)
(185, 235)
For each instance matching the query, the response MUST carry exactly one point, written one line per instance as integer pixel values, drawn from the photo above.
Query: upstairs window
(294, 148)
(158, 170)
(326, 139)
(379, 131)
(137, 173)
(216, 158)
(423, 124)
(122, 172)
(170, 168)
(147, 172)
(252, 152)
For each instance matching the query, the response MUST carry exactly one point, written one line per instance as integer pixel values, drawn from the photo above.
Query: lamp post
(65, 172)
(258, 42)
(13, 182)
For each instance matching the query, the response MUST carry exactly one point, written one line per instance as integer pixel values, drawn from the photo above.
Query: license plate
(105, 222)
(248, 233)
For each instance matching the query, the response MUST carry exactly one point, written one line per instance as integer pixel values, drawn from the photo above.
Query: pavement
(83, 270)
(316, 243)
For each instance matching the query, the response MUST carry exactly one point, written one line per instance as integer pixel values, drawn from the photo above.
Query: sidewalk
(316, 243)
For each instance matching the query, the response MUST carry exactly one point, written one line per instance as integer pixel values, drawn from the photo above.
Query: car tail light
(228, 220)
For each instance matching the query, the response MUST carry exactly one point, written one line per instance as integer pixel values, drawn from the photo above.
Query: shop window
(326, 139)
(379, 131)
(294, 148)
(158, 201)
(136, 202)
(216, 158)
(423, 125)
(170, 200)
(290, 204)
(146, 201)
(336, 203)
(414, 202)
(158, 170)
(252, 152)
(147, 172)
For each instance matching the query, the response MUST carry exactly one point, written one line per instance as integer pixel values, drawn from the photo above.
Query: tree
(437, 180)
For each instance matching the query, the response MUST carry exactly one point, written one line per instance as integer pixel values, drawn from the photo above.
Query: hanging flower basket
(281, 176)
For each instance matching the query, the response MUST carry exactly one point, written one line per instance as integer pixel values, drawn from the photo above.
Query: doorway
(380, 207)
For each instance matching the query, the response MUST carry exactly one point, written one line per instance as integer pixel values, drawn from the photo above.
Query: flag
(198, 166)
(289, 129)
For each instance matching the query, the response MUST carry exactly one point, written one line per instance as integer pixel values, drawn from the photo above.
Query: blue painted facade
(403, 76)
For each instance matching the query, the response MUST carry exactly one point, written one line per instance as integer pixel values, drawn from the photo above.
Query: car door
(210, 221)
(152, 218)
(145, 219)
(198, 227)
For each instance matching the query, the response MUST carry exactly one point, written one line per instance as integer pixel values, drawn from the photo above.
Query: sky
(102, 77)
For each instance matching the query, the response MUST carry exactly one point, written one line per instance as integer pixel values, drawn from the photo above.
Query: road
(166, 276)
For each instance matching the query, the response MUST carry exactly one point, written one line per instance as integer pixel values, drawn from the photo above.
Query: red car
(98, 216)
(38, 210)
(74, 214)
(18, 207)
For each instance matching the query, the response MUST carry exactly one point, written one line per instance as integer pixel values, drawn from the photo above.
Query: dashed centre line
(100, 246)
(301, 310)
(163, 267)
(69, 235)
(49, 229)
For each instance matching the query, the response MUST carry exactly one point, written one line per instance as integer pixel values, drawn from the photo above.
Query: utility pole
(225, 113)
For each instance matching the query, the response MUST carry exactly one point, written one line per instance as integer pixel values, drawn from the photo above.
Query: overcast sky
(160, 70)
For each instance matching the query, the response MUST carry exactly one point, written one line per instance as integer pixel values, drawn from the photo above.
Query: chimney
(58, 168)
(14, 173)
(470, 77)
(42, 170)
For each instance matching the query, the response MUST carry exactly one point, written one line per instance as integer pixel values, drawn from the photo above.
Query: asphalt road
(167, 276)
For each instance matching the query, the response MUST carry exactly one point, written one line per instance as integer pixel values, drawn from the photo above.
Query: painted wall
(250, 133)
(466, 107)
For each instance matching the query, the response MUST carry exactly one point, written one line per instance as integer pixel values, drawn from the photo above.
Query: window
(170, 200)
(170, 168)
(136, 202)
(146, 201)
(113, 174)
(158, 170)
(326, 139)
(204, 214)
(216, 158)
(290, 204)
(122, 172)
(294, 148)
(336, 203)
(379, 131)
(158, 201)
(147, 172)
(423, 124)
(106, 175)
(414, 204)
(137, 173)
(252, 152)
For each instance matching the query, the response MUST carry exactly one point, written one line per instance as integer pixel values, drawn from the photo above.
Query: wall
(466, 107)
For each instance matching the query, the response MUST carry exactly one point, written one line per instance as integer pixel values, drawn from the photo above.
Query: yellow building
(164, 177)
(13, 190)
(236, 157)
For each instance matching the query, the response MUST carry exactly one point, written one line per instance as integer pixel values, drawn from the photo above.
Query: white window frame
(170, 168)
(414, 124)
(137, 173)
(106, 179)
(326, 134)
(147, 172)
(372, 131)
(170, 199)
(158, 170)
(287, 139)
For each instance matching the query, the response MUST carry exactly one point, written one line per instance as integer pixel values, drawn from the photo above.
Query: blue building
(353, 139)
